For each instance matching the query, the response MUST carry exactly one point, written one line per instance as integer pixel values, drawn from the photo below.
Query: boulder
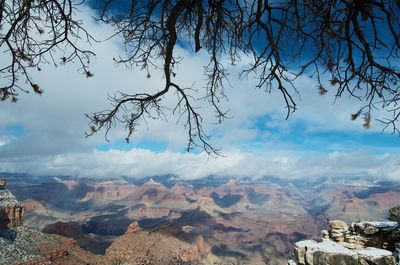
(300, 249)
(376, 256)
(364, 243)
(324, 234)
(3, 183)
(327, 252)
(339, 225)
(336, 233)
(326, 258)
(311, 252)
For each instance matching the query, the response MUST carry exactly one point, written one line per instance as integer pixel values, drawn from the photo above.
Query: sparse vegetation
(394, 214)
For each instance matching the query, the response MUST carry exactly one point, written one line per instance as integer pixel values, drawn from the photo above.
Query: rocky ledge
(21, 245)
(11, 211)
(361, 243)
(28, 246)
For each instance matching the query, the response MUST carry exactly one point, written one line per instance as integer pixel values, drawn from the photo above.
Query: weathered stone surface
(324, 234)
(364, 243)
(321, 257)
(311, 252)
(386, 226)
(327, 252)
(23, 245)
(338, 224)
(376, 256)
(337, 233)
(300, 250)
(339, 239)
(370, 230)
(3, 183)
(11, 211)
(133, 228)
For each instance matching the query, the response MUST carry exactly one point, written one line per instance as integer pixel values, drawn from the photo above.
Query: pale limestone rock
(360, 241)
(318, 253)
(381, 225)
(327, 252)
(339, 239)
(323, 258)
(338, 224)
(348, 246)
(376, 256)
(335, 232)
(300, 250)
(324, 234)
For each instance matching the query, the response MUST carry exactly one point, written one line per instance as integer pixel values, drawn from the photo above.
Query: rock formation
(11, 210)
(67, 229)
(361, 243)
(138, 246)
(23, 245)
(133, 228)
(3, 183)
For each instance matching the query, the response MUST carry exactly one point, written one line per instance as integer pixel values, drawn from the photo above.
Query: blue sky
(303, 138)
(46, 134)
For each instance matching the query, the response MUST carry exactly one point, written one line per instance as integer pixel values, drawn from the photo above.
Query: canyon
(212, 221)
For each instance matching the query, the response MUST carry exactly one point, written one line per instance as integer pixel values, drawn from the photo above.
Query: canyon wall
(11, 211)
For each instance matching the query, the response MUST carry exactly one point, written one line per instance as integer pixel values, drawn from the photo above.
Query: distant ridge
(152, 182)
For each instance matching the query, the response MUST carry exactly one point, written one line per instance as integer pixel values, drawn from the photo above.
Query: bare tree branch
(31, 32)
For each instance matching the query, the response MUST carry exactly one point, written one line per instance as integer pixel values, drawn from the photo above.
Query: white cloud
(2, 142)
(236, 164)
(53, 139)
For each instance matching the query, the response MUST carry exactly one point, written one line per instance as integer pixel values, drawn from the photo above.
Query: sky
(45, 135)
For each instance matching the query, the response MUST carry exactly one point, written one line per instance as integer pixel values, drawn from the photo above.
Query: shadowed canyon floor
(215, 221)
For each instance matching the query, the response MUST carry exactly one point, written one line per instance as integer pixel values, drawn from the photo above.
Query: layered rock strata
(361, 243)
(11, 211)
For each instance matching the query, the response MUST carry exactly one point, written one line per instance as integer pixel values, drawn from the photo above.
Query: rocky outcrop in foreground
(361, 243)
(21, 245)
(27, 246)
(138, 247)
(11, 211)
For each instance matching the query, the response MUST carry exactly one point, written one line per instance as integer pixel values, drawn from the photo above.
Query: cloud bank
(141, 163)
(45, 135)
